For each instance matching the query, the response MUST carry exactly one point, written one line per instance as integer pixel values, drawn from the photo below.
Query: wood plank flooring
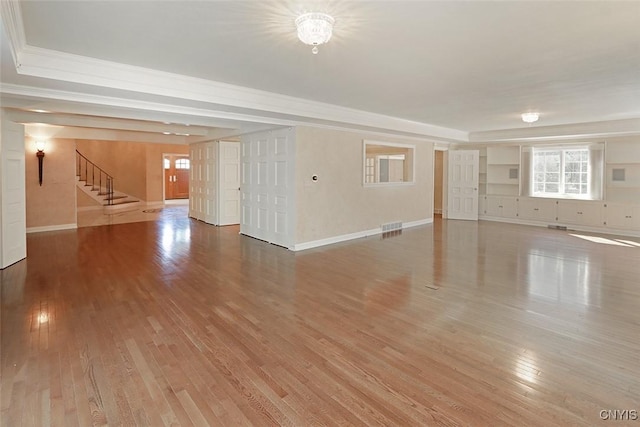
(176, 322)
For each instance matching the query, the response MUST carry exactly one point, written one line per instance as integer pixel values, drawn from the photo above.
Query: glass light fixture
(530, 117)
(314, 29)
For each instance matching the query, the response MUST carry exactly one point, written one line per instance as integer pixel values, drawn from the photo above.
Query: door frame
(445, 178)
(164, 189)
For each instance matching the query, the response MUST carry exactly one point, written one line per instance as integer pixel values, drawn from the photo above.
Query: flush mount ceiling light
(314, 29)
(530, 117)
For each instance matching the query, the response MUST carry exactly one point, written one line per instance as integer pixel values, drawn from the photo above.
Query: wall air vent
(392, 226)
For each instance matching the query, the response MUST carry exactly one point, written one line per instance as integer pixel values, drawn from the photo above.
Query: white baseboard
(352, 236)
(52, 228)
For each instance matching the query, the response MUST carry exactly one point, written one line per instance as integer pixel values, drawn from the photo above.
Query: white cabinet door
(463, 184)
(482, 205)
(622, 216)
(502, 206)
(580, 212)
(537, 209)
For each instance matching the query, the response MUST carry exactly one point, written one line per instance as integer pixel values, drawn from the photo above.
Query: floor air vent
(557, 227)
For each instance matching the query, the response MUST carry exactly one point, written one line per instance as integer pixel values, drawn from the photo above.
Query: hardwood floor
(456, 323)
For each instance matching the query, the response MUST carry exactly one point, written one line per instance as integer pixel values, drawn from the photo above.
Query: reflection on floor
(171, 209)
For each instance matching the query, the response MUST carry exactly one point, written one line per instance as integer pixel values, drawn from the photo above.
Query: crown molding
(11, 13)
(88, 121)
(610, 128)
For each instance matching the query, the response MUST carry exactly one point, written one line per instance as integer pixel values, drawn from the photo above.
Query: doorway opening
(438, 182)
(176, 169)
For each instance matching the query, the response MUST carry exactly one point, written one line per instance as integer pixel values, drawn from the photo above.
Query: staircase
(98, 185)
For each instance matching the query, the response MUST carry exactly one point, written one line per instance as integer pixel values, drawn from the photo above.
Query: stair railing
(94, 177)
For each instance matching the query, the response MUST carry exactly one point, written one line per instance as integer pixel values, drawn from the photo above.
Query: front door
(463, 184)
(176, 176)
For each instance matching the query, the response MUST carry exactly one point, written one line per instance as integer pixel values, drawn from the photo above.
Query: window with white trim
(561, 172)
(386, 163)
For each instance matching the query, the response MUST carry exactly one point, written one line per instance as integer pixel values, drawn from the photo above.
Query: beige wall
(84, 201)
(122, 160)
(338, 203)
(135, 166)
(53, 203)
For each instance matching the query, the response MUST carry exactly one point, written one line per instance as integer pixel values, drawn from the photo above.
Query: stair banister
(108, 188)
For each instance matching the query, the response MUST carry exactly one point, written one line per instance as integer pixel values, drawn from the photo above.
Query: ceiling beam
(625, 127)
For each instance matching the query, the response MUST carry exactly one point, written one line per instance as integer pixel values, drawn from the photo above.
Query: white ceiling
(438, 68)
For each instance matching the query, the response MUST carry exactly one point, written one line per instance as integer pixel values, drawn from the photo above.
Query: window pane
(552, 177)
(572, 188)
(572, 167)
(539, 163)
(182, 164)
(551, 188)
(553, 163)
(572, 178)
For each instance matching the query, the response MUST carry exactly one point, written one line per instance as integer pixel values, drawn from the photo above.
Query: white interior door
(13, 218)
(229, 183)
(202, 179)
(268, 191)
(463, 184)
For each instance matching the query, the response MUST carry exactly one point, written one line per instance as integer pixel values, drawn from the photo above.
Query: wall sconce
(40, 154)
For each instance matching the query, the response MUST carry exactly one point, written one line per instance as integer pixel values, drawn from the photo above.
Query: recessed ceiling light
(530, 117)
(166, 133)
(39, 111)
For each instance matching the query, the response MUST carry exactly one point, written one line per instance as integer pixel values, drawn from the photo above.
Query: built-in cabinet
(600, 216)
(501, 206)
(622, 171)
(622, 216)
(581, 212)
(503, 171)
(537, 209)
(619, 213)
(482, 169)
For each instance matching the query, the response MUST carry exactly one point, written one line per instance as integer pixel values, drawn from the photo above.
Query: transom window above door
(182, 164)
